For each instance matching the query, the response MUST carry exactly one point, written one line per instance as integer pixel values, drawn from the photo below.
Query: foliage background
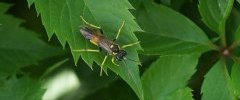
(194, 53)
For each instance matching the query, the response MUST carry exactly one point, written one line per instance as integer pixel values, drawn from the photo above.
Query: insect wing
(87, 32)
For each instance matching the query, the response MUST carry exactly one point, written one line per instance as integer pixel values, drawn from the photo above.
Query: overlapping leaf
(166, 78)
(235, 73)
(19, 47)
(21, 89)
(215, 13)
(217, 84)
(63, 18)
(168, 32)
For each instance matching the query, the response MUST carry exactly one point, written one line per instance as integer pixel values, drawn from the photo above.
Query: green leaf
(54, 67)
(167, 75)
(237, 35)
(19, 47)
(175, 4)
(215, 13)
(217, 84)
(238, 1)
(23, 88)
(181, 94)
(62, 17)
(168, 32)
(166, 2)
(235, 73)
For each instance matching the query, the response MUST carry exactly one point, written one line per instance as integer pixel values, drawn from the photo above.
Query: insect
(95, 35)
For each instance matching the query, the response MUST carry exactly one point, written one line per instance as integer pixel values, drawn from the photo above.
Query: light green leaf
(19, 47)
(238, 1)
(167, 75)
(62, 17)
(215, 13)
(235, 73)
(23, 88)
(217, 84)
(168, 32)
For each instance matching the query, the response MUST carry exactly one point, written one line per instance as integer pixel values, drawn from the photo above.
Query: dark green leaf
(168, 32)
(62, 17)
(19, 47)
(217, 84)
(166, 2)
(53, 67)
(114, 91)
(175, 4)
(237, 35)
(233, 27)
(235, 73)
(167, 75)
(21, 89)
(215, 13)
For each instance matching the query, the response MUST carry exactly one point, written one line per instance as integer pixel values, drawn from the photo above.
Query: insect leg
(128, 45)
(119, 31)
(113, 61)
(104, 60)
(89, 23)
(86, 50)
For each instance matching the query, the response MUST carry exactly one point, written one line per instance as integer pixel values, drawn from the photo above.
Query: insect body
(95, 35)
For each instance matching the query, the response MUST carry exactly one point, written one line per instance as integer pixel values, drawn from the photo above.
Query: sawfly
(95, 35)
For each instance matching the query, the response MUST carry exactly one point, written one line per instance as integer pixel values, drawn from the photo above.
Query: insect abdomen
(106, 46)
